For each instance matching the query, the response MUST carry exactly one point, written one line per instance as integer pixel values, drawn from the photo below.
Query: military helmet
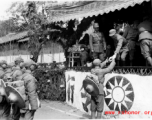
(18, 59)
(96, 62)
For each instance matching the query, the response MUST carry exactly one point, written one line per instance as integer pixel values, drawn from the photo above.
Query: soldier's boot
(88, 101)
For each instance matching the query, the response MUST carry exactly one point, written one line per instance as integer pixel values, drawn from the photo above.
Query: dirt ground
(58, 110)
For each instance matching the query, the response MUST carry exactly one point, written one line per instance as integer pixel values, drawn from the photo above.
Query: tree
(37, 29)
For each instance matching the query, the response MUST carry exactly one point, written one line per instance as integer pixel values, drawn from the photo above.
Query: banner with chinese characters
(126, 95)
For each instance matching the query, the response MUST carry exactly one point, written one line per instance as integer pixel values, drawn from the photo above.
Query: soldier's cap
(19, 59)
(96, 62)
(28, 63)
(112, 32)
(3, 62)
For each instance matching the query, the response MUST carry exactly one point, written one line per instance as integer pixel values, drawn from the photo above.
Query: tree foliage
(38, 31)
(38, 27)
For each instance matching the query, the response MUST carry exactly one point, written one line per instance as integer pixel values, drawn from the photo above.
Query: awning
(88, 9)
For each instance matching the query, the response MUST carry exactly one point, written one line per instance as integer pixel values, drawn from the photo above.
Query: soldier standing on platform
(145, 38)
(121, 45)
(32, 103)
(131, 35)
(97, 43)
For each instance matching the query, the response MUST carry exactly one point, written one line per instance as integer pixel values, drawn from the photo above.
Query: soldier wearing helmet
(97, 75)
(32, 103)
(9, 72)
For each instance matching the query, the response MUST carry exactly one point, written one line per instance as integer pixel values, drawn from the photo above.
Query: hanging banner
(126, 95)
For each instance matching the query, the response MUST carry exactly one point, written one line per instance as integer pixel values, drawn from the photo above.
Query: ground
(58, 110)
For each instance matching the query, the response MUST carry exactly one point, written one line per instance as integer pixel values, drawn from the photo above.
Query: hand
(107, 60)
(112, 57)
(92, 50)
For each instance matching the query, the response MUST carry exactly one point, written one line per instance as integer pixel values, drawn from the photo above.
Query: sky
(5, 4)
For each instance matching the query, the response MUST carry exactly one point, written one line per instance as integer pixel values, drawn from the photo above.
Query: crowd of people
(125, 38)
(19, 75)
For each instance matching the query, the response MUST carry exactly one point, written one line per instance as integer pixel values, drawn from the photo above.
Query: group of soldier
(18, 75)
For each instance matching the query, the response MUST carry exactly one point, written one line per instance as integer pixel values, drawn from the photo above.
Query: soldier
(145, 38)
(97, 43)
(32, 103)
(131, 34)
(17, 73)
(121, 45)
(2, 72)
(97, 102)
(88, 100)
(8, 73)
(98, 73)
(4, 104)
(33, 67)
(4, 65)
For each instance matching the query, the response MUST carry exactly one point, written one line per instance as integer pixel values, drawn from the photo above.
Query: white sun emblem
(120, 94)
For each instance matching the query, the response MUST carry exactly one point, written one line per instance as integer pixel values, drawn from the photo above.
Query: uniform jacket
(32, 102)
(97, 42)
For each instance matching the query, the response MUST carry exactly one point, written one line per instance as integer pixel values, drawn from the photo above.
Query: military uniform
(131, 35)
(145, 39)
(32, 102)
(97, 102)
(98, 45)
